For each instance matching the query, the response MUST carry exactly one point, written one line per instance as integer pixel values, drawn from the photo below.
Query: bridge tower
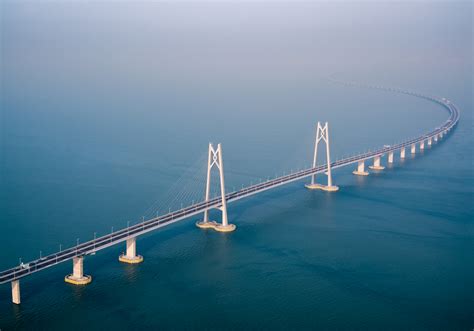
(215, 160)
(322, 133)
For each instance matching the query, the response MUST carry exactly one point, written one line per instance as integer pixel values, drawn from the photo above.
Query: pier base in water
(216, 226)
(322, 187)
(374, 167)
(360, 173)
(132, 260)
(84, 280)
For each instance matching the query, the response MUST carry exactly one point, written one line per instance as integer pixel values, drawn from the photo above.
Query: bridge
(215, 160)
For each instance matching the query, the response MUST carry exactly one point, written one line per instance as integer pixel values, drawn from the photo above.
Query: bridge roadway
(90, 247)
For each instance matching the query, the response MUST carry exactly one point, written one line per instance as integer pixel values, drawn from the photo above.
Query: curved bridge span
(129, 234)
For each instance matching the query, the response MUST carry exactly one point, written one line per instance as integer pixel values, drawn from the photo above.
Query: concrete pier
(131, 255)
(429, 141)
(360, 171)
(16, 292)
(413, 148)
(77, 277)
(436, 138)
(402, 153)
(390, 157)
(422, 145)
(376, 165)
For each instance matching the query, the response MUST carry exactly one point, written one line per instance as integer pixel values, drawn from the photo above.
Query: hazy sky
(233, 38)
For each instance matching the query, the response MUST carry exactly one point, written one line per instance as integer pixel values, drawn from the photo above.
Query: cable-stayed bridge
(215, 159)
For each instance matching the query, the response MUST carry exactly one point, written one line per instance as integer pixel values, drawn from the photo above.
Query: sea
(107, 111)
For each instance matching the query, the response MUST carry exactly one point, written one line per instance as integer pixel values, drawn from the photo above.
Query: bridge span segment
(129, 234)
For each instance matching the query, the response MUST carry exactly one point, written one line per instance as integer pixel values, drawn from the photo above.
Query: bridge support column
(422, 145)
(360, 171)
(131, 255)
(429, 141)
(435, 138)
(77, 277)
(215, 159)
(413, 148)
(322, 133)
(402, 153)
(390, 157)
(376, 165)
(16, 292)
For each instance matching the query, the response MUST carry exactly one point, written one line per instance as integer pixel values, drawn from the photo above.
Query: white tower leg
(376, 165)
(402, 153)
(429, 141)
(131, 255)
(208, 183)
(436, 138)
(422, 144)
(322, 133)
(16, 292)
(360, 171)
(390, 157)
(215, 159)
(77, 277)
(413, 148)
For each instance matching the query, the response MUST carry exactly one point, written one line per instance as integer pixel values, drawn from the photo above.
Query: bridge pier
(376, 165)
(413, 148)
(215, 159)
(390, 157)
(16, 291)
(322, 133)
(429, 141)
(77, 277)
(360, 171)
(402, 153)
(422, 145)
(435, 138)
(131, 255)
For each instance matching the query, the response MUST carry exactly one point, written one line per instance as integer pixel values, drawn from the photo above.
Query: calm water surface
(107, 110)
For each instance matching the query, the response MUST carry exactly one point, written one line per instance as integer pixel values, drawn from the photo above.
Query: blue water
(106, 105)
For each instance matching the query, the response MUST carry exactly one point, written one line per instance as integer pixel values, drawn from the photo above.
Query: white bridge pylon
(215, 160)
(322, 133)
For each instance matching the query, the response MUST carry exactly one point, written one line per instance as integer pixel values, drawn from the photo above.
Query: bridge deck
(100, 243)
